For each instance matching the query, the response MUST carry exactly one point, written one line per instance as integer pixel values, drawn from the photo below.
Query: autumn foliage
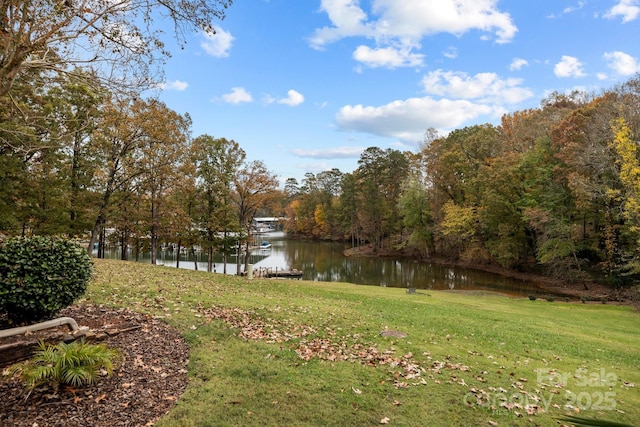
(551, 189)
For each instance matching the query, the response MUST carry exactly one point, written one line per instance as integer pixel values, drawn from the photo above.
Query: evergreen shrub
(39, 276)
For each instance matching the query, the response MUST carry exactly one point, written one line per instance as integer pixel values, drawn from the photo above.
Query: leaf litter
(145, 385)
(405, 370)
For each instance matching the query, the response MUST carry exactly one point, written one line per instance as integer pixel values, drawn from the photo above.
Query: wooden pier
(270, 273)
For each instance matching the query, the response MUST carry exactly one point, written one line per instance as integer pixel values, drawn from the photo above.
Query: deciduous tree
(380, 176)
(117, 38)
(122, 133)
(254, 188)
(628, 164)
(217, 162)
(163, 150)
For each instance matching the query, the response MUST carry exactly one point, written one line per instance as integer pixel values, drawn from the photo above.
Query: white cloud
(411, 20)
(407, 119)
(218, 44)
(317, 167)
(451, 53)
(238, 95)
(483, 87)
(174, 85)
(569, 66)
(569, 9)
(627, 9)
(330, 153)
(622, 63)
(387, 57)
(518, 63)
(453, 99)
(348, 20)
(268, 99)
(397, 27)
(293, 99)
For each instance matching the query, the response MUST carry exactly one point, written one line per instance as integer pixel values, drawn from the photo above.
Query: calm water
(323, 261)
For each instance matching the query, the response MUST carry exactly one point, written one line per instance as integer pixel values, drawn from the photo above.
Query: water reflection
(189, 260)
(323, 261)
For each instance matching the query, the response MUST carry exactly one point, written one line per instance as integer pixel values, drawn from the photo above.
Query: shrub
(39, 276)
(75, 364)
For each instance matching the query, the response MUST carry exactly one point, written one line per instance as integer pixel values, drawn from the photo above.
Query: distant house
(267, 224)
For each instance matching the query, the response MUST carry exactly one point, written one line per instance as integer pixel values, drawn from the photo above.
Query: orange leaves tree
(313, 210)
(140, 146)
(254, 188)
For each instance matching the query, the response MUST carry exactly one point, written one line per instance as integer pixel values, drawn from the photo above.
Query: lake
(325, 261)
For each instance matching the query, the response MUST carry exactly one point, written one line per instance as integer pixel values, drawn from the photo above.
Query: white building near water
(267, 223)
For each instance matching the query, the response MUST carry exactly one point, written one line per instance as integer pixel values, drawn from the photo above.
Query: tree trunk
(124, 246)
(246, 257)
(154, 248)
(195, 258)
(210, 259)
(137, 249)
(239, 249)
(100, 220)
(12, 68)
(101, 242)
(224, 262)
(225, 252)
(95, 233)
(154, 230)
(75, 185)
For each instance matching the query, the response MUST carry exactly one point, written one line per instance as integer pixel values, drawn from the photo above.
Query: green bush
(39, 276)
(75, 364)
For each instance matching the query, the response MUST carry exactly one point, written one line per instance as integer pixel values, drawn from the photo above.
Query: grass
(280, 352)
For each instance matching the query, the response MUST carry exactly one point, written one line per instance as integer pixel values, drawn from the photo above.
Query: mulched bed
(146, 384)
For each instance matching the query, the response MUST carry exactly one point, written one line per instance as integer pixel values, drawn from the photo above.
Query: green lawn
(275, 353)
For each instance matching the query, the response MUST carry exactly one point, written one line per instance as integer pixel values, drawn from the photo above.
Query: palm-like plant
(75, 364)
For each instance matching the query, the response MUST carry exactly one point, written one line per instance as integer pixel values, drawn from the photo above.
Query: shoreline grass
(278, 352)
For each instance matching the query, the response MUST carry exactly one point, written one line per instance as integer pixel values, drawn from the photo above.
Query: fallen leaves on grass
(405, 371)
(252, 327)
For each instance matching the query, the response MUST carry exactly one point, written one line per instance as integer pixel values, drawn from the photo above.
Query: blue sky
(307, 85)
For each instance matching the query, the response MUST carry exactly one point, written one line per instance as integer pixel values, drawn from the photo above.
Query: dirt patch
(148, 381)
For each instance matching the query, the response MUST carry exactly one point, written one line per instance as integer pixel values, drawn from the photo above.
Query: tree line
(82, 151)
(78, 160)
(554, 188)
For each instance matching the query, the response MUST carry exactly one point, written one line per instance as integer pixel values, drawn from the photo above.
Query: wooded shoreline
(587, 291)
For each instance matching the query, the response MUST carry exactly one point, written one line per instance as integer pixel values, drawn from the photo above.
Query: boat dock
(269, 273)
